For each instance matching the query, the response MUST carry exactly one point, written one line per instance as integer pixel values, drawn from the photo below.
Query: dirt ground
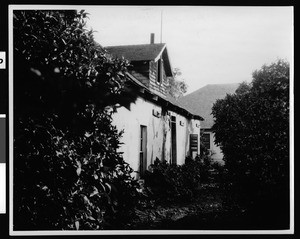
(211, 209)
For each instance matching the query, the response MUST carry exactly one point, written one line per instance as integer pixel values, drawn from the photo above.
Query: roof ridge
(142, 52)
(146, 44)
(233, 83)
(203, 88)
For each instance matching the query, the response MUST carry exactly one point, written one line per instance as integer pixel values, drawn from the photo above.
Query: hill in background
(200, 102)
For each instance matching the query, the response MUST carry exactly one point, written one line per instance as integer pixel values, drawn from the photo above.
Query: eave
(158, 99)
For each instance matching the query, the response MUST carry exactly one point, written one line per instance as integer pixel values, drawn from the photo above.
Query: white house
(155, 125)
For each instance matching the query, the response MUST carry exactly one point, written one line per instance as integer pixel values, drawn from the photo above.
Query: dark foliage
(252, 129)
(178, 183)
(67, 171)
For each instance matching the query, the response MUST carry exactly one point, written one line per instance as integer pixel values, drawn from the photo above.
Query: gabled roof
(149, 52)
(143, 52)
(200, 102)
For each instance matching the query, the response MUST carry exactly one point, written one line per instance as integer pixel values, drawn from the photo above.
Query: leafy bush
(255, 141)
(67, 171)
(252, 129)
(172, 182)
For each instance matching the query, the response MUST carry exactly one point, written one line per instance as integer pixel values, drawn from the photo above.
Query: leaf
(87, 134)
(109, 188)
(86, 200)
(91, 218)
(77, 225)
(37, 72)
(94, 192)
(58, 153)
(102, 186)
(89, 84)
(78, 171)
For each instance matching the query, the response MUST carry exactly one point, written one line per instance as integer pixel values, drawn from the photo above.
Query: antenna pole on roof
(161, 24)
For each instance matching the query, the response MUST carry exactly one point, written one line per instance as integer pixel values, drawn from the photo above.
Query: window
(159, 71)
(193, 143)
(206, 140)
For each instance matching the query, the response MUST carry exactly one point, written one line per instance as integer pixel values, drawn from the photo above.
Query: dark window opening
(193, 143)
(206, 140)
(159, 71)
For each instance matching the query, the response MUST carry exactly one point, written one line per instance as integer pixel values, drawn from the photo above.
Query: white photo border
(13, 7)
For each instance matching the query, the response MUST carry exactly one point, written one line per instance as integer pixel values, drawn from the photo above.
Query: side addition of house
(155, 125)
(201, 102)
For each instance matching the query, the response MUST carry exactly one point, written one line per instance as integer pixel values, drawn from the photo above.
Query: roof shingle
(143, 52)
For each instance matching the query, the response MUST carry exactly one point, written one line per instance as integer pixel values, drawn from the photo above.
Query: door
(143, 150)
(173, 141)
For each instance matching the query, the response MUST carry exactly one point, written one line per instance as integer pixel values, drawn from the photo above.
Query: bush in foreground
(67, 171)
(178, 183)
(252, 129)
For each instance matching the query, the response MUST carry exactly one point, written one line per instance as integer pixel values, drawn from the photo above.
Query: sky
(209, 44)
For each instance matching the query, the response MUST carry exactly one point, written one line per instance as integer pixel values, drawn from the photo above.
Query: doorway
(173, 141)
(143, 150)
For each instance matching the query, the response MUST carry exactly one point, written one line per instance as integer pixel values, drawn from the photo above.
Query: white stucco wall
(183, 135)
(158, 129)
(216, 152)
(140, 113)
